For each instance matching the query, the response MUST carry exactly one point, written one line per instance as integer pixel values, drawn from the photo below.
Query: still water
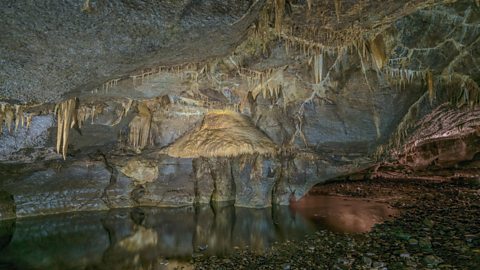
(164, 238)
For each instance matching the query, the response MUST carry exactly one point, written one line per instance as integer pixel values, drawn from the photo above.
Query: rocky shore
(439, 228)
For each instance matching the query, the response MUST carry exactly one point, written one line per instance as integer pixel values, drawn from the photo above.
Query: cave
(240, 134)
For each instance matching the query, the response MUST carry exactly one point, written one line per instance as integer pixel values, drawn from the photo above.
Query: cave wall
(172, 65)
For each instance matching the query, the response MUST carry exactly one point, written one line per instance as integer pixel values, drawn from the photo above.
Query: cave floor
(438, 228)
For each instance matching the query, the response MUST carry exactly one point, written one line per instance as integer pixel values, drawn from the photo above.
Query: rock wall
(311, 97)
(51, 48)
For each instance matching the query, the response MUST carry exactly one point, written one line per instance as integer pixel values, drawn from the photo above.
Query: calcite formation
(253, 102)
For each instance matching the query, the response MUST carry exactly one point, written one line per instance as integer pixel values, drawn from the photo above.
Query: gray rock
(7, 206)
(52, 49)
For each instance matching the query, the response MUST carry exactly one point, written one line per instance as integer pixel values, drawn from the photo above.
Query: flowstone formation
(133, 103)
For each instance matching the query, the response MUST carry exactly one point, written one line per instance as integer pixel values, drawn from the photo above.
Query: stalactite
(139, 135)
(431, 90)
(377, 48)
(279, 12)
(338, 9)
(309, 4)
(127, 105)
(66, 118)
(93, 110)
(19, 117)
(2, 116)
(87, 7)
(269, 82)
(399, 76)
(126, 108)
(318, 67)
(9, 115)
(108, 85)
(85, 112)
(29, 120)
(188, 69)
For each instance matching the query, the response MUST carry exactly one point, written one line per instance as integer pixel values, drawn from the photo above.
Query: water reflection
(153, 238)
(343, 214)
(142, 238)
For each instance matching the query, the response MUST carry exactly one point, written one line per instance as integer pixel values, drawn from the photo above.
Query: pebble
(432, 260)
(367, 261)
(435, 231)
(425, 244)
(413, 242)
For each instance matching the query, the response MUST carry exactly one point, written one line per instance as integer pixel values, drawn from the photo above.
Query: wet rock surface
(77, 188)
(7, 205)
(146, 237)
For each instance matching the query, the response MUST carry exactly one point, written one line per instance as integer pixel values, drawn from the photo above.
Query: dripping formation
(274, 20)
(139, 135)
(222, 134)
(16, 116)
(66, 119)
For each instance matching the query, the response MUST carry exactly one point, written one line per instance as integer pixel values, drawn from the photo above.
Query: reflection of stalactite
(140, 128)
(142, 238)
(66, 118)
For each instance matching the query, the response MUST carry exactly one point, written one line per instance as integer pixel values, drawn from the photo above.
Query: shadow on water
(146, 238)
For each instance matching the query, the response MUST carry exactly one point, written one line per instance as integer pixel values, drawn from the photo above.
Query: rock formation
(169, 103)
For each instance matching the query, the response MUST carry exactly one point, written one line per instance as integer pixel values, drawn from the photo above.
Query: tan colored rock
(141, 171)
(222, 134)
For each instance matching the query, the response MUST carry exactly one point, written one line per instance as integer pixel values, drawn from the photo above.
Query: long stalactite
(139, 135)
(66, 118)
